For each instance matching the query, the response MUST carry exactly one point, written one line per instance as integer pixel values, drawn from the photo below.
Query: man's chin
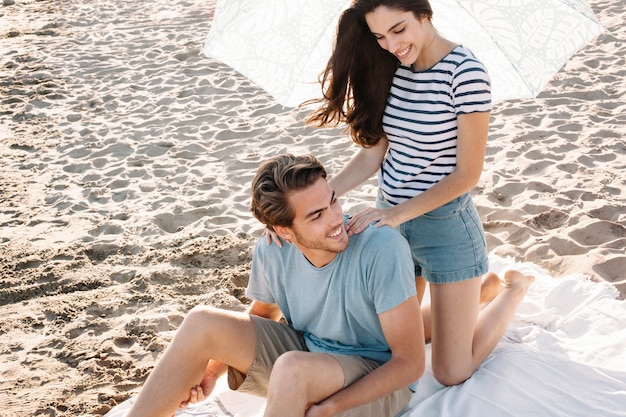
(343, 244)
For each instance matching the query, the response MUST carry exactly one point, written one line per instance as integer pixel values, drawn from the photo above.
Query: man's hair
(275, 179)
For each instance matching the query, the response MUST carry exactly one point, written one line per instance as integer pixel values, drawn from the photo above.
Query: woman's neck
(436, 48)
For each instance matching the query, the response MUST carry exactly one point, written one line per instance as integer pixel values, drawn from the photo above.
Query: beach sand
(126, 162)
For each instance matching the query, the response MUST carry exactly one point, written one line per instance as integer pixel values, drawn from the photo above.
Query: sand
(126, 161)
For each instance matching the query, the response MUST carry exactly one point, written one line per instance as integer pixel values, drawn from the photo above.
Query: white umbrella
(283, 45)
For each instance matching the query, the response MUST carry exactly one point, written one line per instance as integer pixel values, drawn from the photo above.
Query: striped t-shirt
(420, 121)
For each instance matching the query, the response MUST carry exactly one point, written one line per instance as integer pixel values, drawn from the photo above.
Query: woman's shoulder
(464, 56)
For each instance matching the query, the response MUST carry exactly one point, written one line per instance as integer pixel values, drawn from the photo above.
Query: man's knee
(294, 372)
(314, 375)
(199, 314)
(201, 321)
(290, 365)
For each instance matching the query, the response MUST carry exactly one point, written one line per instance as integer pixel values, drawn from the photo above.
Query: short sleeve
(259, 288)
(390, 271)
(471, 87)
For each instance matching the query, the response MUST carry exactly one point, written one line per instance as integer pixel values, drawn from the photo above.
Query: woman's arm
(360, 168)
(471, 145)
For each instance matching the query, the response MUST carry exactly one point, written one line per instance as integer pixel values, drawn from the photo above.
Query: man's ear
(284, 232)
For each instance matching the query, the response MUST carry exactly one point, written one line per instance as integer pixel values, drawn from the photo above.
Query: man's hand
(201, 391)
(318, 410)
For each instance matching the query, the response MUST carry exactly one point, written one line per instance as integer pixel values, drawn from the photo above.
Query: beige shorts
(274, 339)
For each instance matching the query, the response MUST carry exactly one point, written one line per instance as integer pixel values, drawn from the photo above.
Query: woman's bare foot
(490, 286)
(516, 280)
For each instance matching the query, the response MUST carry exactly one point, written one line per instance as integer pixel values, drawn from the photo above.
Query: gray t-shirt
(336, 306)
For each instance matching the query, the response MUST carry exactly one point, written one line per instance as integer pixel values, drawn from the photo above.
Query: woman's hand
(272, 236)
(382, 217)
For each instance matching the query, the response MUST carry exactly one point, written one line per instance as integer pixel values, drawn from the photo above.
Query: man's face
(318, 229)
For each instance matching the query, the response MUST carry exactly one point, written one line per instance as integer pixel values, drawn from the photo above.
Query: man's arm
(403, 329)
(269, 311)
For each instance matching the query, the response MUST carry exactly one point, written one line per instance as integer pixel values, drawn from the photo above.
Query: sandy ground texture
(126, 161)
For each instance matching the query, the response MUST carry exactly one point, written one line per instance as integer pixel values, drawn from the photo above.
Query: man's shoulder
(382, 232)
(380, 237)
(272, 251)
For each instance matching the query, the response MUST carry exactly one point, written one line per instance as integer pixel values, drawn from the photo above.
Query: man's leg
(206, 333)
(300, 379)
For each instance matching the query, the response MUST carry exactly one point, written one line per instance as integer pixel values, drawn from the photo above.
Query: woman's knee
(449, 375)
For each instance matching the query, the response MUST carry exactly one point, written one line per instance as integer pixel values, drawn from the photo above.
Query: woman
(419, 107)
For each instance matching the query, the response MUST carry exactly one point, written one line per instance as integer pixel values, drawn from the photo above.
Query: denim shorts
(448, 243)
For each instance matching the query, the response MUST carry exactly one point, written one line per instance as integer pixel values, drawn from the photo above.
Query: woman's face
(398, 32)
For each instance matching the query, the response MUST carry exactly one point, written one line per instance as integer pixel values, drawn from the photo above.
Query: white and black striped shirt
(420, 121)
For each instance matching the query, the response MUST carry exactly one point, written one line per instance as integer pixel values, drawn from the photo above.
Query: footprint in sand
(550, 219)
(124, 342)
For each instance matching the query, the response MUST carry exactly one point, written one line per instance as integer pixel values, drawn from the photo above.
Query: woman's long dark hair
(359, 73)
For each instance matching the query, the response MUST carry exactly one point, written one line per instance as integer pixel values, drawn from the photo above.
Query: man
(352, 339)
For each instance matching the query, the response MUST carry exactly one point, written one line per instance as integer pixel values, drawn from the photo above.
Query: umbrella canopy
(283, 45)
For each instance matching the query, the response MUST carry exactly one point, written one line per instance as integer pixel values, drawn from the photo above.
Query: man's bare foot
(490, 286)
(516, 280)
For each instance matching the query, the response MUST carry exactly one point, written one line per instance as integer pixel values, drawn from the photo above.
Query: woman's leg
(462, 334)
(491, 285)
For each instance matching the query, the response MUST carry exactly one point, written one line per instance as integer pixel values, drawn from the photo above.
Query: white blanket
(564, 354)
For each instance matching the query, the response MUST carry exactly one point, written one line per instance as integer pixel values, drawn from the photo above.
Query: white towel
(564, 354)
